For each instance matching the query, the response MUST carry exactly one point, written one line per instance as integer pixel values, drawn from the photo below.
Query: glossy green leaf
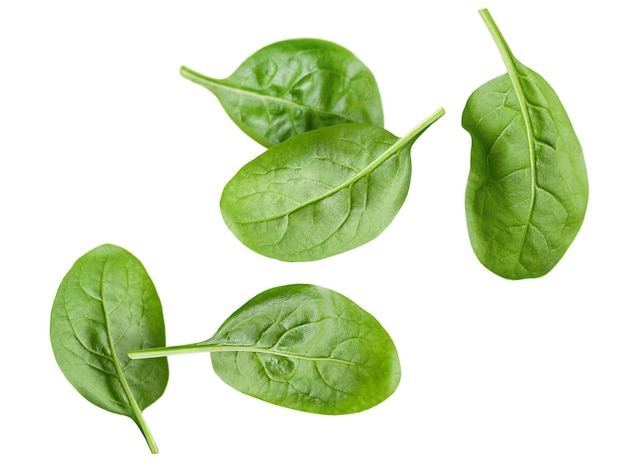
(527, 190)
(107, 305)
(322, 192)
(294, 86)
(304, 347)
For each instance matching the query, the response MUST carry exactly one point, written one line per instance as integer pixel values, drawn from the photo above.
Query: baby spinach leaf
(322, 192)
(107, 305)
(293, 86)
(527, 189)
(304, 347)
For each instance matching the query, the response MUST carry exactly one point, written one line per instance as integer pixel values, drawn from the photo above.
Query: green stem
(420, 129)
(509, 62)
(203, 347)
(496, 34)
(143, 426)
(159, 352)
(196, 77)
(407, 141)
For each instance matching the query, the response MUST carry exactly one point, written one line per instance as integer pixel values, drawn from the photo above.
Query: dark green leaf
(527, 190)
(303, 347)
(293, 86)
(107, 305)
(322, 192)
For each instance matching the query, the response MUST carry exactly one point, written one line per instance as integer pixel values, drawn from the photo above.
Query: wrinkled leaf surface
(296, 85)
(304, 347)
(105, 306)
(527, 190)
(321, 193)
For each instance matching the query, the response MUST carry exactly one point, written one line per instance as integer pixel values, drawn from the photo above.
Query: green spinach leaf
(105, 306)
(293, 86)
(304, 347)
(322, 192)
(527, 189)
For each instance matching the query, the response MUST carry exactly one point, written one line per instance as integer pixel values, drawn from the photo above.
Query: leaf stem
(203, 347)
(406, 141)
(143, 426)
(498, 38)
(509, 60)
(196, 77)
(420, 129)
(159, 352)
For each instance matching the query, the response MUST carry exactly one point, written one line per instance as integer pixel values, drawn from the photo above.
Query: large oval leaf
(105, 306)
(527, 190)
(321, 193)
(296, 85)
(304, 347)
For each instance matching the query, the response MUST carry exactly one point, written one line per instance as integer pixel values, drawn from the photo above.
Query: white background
(101, 141)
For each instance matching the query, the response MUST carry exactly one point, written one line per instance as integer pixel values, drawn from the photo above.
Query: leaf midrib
(134, 406)
(120, 374)
(270, 351)
(349, 182)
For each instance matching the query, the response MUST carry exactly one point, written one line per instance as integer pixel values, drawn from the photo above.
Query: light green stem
(143, 426)
(203, 347)
(509, 62)
(196, 77)
(199, 347)
(498, 38)
(420, 129)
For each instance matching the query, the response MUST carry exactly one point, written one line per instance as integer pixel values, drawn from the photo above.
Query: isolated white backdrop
(101, 141)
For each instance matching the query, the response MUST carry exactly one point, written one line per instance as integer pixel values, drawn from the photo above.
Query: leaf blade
(105, 306)
(293, 86)
(527, 191)
(303, 347)
(321, 193)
